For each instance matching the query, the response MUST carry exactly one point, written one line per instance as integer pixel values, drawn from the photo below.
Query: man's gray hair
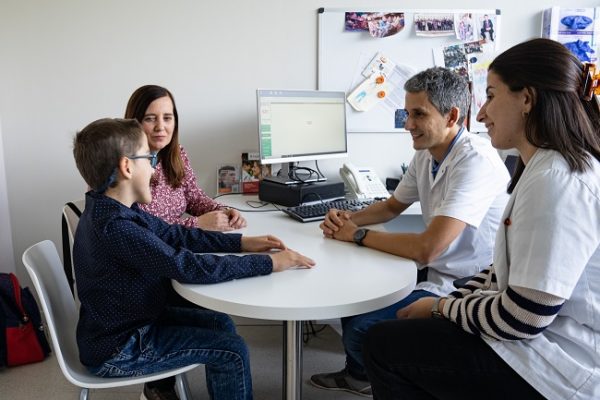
(445, 89)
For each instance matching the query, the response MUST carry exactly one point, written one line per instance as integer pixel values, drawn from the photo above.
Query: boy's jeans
(184, 336)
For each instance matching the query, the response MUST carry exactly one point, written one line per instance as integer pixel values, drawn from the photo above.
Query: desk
(347, 280)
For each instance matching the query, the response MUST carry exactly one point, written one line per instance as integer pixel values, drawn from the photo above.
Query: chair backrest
(70, 218)
(46, 272)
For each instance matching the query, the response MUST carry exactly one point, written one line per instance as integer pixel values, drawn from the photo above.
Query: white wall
(7, 260)
(68, 62)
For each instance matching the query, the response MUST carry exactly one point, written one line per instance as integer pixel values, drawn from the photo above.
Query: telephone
(363, 183)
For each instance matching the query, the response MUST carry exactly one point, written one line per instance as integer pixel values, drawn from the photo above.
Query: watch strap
(435, 308)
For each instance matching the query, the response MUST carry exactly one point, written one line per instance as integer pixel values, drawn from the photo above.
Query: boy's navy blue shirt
(125, 257)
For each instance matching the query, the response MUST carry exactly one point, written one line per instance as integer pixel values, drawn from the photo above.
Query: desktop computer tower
(294, 195)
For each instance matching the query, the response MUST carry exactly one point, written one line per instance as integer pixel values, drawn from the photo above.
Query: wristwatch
(360, 235)
(435, 308)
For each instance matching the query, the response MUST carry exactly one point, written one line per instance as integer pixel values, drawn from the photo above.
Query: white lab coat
(552, 244)
(470, 186)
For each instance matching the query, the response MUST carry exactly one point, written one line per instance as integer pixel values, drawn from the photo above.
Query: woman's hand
(419, 309)
(236, 221)
(215, 221)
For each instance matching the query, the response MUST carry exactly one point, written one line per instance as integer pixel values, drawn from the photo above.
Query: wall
(7, 261)
(68, 62)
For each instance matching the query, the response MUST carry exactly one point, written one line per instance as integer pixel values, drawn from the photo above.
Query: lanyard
(435, 166)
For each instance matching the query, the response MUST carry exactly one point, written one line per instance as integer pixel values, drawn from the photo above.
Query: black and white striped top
(514, 314)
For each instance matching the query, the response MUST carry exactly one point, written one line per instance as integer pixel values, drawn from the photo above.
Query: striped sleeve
(485, 280)
(515, 314)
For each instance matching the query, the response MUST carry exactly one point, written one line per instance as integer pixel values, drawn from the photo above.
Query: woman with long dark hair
(174, 187)
(529, 326)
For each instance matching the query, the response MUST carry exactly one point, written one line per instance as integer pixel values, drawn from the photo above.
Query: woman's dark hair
(169, 156)
(559, 119)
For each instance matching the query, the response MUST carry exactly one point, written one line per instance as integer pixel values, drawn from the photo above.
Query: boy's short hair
(98, 147)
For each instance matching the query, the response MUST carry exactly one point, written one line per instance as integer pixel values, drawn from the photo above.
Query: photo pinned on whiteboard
(385, 24)
(430, 24)
(471, 60)
(400, 117)
(464, 26)
(379, 25)
(474, 47)
(487, 25)
(461, 57)
(356, 21)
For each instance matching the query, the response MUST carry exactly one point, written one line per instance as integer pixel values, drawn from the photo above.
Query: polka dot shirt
(125, 259)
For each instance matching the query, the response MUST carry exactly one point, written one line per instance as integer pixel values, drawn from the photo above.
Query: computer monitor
(300, 125)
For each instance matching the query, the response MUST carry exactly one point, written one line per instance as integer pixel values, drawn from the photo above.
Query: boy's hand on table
(288, 258)
(283, 259)
(262, 243)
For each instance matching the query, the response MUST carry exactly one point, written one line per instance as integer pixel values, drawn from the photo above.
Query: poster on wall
(576, 28)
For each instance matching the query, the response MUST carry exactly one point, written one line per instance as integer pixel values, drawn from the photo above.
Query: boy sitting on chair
(125, 259)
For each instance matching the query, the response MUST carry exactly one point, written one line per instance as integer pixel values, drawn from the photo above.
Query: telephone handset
(363, 183)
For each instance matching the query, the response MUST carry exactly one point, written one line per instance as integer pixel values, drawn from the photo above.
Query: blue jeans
(183, 336)
(354, 330)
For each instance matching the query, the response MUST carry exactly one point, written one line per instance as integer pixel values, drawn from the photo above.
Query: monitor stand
(285, 178)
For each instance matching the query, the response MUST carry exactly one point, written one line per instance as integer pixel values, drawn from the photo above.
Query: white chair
(46, 272)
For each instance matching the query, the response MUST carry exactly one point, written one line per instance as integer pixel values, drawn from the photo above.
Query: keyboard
(317, 211)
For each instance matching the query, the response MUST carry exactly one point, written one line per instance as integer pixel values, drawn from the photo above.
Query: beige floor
(322, 353)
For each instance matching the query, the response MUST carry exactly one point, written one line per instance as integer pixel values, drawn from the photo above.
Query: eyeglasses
(153, 157)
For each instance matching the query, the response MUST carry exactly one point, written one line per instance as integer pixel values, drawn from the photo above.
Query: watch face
(359, 235)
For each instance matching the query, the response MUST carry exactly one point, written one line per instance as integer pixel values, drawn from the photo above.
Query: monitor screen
(301, 125)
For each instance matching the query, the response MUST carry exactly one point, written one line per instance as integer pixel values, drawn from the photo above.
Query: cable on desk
(251, 203)
(302, 178)
(259, 204)
(318, 170)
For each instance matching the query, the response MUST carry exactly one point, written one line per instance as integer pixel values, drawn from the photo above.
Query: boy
(125, 259)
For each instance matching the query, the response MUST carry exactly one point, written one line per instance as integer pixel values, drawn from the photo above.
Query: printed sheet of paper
(383, 85)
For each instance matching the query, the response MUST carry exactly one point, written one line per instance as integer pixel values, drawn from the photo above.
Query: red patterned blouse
(171, 203)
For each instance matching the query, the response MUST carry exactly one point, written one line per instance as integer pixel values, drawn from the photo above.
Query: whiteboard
(342, 56)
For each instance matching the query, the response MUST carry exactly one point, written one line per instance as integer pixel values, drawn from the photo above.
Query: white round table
(347, 280)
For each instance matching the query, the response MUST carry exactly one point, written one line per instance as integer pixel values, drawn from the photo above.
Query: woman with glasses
(174, 187)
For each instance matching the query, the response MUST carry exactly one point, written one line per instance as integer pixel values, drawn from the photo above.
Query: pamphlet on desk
(252, 172)
(363, 182)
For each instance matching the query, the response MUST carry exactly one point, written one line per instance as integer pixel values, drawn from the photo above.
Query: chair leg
(84, 394)
(182, 387)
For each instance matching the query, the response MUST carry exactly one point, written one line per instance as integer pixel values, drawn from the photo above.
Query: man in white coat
(460, 181)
